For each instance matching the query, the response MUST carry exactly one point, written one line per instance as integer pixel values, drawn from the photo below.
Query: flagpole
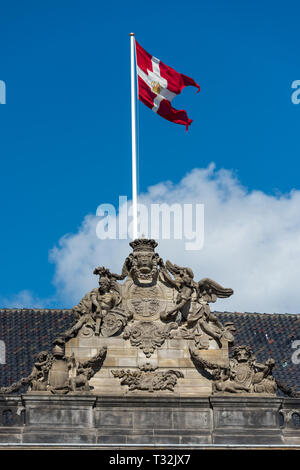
(133, 136)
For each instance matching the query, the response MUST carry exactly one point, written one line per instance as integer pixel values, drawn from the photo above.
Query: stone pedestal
(290, 420)
(58, 419)
(246, 420)
(12, 419)
(159, 421)
(146, 420)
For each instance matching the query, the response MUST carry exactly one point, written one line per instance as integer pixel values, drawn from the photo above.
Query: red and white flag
(158, 84)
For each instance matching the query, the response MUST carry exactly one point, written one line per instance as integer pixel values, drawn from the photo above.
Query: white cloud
(24, 299)
(252, 244)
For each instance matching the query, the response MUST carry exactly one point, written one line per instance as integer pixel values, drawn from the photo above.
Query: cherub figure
(184, 284)
(192, 303)
(40, 371)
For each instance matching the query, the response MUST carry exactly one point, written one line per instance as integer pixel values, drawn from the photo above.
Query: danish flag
(158, 84)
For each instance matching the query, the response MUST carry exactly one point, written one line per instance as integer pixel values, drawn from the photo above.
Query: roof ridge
(41, 310)
(67, 310)
(257, 313)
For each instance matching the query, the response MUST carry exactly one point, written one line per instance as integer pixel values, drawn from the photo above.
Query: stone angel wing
(210, 290)
(92, 365)
(183, 273)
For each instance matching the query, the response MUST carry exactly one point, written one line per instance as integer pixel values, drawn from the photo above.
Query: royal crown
(143, 244)
(156, 87)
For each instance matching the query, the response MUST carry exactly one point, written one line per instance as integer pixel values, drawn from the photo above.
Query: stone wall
(142, 420)
(172, 354)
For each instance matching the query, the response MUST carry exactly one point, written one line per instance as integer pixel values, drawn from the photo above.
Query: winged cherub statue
(192, 302)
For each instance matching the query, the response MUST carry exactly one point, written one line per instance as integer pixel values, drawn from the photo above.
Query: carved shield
(112, 323)
(145, 302)
(59, 374)
(243, 374)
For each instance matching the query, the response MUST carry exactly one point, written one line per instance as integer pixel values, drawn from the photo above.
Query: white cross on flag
(158, 84)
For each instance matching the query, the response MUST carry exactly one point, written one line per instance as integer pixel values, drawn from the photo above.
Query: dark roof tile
(27, 332)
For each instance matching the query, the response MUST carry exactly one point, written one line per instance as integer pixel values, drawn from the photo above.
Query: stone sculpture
(40, 372)
(86, 370)
(51, 372)
(92, 310)
(192, 304)
(159, 311)
(148, 336)
(143, 264)
(148, 378)
(242, 374)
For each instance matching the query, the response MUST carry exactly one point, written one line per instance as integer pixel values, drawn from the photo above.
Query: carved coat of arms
(155, 299)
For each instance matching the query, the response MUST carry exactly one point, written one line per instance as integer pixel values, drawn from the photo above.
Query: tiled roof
(269, 335)
(27, 332)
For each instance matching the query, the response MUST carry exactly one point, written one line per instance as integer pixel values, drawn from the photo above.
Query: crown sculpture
(152, 333)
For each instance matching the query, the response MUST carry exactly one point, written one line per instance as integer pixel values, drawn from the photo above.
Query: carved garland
(146, 378)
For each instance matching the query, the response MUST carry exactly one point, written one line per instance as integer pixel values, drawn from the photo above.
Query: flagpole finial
(131, 34)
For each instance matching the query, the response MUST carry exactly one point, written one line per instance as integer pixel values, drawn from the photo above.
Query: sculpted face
(242, 355)
(112, 323)
(104, 285)
(144, 262)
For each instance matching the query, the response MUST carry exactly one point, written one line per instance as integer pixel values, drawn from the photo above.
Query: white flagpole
(133, 136)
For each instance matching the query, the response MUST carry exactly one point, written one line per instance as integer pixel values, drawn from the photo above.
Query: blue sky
(65, 130)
